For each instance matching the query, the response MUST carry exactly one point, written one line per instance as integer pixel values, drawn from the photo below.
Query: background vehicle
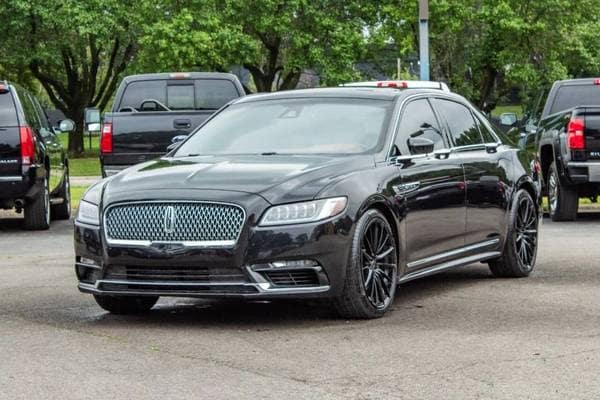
(149, 111)
(34, 169)
(340, 193)
(567, 142)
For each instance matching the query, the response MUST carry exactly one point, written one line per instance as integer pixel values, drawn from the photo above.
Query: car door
(486, 165)
(53, 147)
(431, 187)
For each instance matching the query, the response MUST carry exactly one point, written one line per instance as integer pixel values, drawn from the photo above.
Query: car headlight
(89, 212)
(308, 211)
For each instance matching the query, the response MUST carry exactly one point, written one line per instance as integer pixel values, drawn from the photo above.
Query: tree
(76, 49)
(274, 39)
(484, 48)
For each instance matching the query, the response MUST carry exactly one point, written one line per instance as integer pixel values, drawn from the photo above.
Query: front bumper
(247, 270)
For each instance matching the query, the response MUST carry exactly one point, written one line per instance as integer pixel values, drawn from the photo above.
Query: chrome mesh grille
(192, 222)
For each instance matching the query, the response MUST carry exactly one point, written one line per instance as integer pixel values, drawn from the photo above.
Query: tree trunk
(76, 137)
(487, 88)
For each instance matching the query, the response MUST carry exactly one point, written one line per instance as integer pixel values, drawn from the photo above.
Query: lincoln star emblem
(170, 218)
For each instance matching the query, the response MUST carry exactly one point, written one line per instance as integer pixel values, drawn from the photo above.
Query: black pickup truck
(34, 169)
(152, 111)
(566, 136)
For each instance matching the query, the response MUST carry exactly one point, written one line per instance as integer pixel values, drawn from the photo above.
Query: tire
(37, 210)
(520, 248)
(126, 305)
(63, 210)
(563, 200)
(371, 274)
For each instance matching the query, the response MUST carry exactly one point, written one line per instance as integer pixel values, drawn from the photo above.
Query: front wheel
(372, 270)
(126, 304)
(520, 249)
(63, 210)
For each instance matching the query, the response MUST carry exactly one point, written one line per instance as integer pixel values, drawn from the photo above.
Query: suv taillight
(106, 140)
(575, 134)
(27, 145)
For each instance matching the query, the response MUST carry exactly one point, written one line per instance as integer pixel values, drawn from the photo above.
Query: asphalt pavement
(458, 335)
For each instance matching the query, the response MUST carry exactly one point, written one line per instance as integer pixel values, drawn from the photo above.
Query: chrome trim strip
(189, 244)
(583, 164)
(11, 178)
(262, 288)
(148, 243)
(448, 265)
(452, 253)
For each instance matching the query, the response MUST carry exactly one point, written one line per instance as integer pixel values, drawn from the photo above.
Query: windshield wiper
(269, 153)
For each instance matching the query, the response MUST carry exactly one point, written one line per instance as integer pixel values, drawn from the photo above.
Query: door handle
(182, 123)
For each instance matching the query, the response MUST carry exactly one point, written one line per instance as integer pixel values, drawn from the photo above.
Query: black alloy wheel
(526, 237)
(372, 270)
(520, 249)
(378, 263)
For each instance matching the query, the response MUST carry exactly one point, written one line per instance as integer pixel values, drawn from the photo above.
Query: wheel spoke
(384, 254)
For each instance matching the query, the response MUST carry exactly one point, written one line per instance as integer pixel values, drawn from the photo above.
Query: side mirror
(66, 125)
(92, 119)
(508, 119)
(418, 145)
(176, 141)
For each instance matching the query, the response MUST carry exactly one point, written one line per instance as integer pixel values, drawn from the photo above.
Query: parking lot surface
(458, 335)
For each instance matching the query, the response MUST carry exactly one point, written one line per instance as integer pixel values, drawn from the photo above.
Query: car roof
(338, 92)
(335, 92)
(179, 75)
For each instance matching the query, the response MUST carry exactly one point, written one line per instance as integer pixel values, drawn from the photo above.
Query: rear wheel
(563, 200)
(520, 250)
(37, 210)
(63, 210)
(126, 304)
(372, 270)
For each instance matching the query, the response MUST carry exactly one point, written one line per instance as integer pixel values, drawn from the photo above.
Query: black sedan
(327, 193)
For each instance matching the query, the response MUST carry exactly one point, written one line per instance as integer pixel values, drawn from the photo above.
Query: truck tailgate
(140, 136)
(592, 133)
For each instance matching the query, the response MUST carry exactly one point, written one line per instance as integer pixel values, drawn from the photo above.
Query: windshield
(178, 95)
(293, 126)
(570, 96)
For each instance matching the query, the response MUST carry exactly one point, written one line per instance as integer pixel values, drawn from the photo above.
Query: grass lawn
(76, 194)
(506, 109)
(85, 166)
(89, 163)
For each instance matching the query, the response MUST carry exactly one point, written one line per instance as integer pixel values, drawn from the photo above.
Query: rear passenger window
(214, 93)
(463, 128)
(180, 97)
(8, 112)
(418, 120)
(137, 92)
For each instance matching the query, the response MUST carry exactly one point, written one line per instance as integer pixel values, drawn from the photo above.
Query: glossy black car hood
(277, 178)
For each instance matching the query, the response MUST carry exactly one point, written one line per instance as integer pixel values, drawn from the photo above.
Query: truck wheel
(563, 200)
(37, 211)
(372, 270)
(520, 248)
(126, 304)
(63, 210)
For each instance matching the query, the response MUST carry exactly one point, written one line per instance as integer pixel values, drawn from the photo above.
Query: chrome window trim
(216, 244)
(11, 178)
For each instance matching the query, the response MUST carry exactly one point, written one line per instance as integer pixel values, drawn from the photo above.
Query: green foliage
(275, 40)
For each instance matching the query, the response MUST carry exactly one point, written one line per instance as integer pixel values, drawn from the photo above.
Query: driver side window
(418, 122)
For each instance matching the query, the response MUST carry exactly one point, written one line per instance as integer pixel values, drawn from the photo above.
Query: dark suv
(34, 174)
